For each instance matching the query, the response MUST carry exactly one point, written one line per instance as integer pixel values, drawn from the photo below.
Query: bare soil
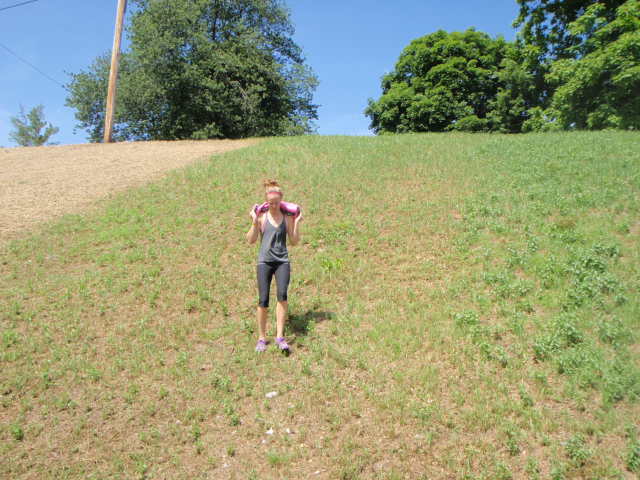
(41, 183)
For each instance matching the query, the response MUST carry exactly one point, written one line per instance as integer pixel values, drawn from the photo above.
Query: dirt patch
(41, 183)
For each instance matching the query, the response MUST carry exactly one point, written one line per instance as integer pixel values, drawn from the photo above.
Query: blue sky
(349, 44)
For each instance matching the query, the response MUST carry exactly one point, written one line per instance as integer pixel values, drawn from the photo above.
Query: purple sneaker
(261, 346)
(282, 344)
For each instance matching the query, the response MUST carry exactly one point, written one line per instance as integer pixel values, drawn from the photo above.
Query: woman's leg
(281, 315)
(283, 274)
(265, 272)
(262, 323)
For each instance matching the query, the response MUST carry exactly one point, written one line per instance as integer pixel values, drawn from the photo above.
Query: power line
(17, 5)
(22, 59)
(32, 66)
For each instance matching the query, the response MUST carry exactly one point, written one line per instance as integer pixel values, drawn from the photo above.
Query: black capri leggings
(282, 271)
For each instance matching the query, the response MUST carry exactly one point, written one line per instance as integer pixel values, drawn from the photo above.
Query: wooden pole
(113, 74)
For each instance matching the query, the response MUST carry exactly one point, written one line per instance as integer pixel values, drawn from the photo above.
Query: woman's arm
(252, 234)
(293, 229)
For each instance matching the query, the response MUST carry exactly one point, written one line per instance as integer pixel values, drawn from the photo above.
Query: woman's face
(274, 199)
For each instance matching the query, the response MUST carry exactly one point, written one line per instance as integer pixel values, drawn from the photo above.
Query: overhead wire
(32, 66)
(17, 5)
(22, 59)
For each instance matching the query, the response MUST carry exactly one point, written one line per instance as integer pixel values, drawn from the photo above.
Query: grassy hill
(461, 306)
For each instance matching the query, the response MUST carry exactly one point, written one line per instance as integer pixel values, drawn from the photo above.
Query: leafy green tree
(29, 128)
(453, 81)
(547, 34)
(545, 24)
(516, 94)
(202, 69)
(599, 85)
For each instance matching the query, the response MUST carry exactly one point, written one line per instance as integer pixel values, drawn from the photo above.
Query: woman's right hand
(254, 216)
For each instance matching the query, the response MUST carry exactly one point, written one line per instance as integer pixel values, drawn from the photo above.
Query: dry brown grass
(42, 183)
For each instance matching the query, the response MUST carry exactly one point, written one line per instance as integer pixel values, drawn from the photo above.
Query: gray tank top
(273, 247)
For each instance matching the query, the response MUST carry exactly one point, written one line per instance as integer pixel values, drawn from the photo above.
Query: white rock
(270, 431)
(271, 394)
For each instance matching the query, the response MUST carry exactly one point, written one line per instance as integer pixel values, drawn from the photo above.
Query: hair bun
(270, 183)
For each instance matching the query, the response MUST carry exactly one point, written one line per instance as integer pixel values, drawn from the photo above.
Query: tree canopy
(545, 24)
(574, 64)
(202, 69)
(595, 84)
(453, 81)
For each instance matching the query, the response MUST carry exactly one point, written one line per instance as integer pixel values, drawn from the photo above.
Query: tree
(546, 34)
(202, 69)
(28, 128)
(516, 94)
(453, 81)
(546, 24)
(598, 85)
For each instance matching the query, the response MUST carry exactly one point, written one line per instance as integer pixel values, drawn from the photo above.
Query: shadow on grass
(299, 322)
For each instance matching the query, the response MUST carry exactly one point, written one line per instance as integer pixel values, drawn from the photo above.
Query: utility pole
(113, 75)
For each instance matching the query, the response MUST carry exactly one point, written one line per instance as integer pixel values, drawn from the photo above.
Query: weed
(502, 472)
(527, 401)
(532, 468)
(196, 433)
(512, 442)
(558, 470)
(614, 332)
(132, 393)
(577, 450)
(633, 455)
(277, 458)
(17, 433)
(466, 318)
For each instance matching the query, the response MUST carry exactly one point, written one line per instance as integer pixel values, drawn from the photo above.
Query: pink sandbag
(288, 208)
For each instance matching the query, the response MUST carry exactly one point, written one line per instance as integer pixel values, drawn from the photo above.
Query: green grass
(461, 306)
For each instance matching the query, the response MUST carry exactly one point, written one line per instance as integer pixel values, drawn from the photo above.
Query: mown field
(461, 306)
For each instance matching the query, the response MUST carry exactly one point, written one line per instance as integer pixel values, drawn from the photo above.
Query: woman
(273, 259)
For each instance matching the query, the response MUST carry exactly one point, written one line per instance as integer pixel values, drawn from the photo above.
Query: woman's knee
(263, 297)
